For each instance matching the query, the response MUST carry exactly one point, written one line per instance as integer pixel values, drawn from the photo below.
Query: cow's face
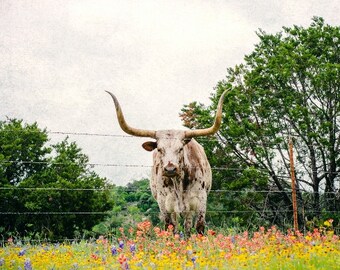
(170, 150)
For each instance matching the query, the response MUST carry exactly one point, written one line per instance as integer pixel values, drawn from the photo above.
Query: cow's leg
(168, 220)
(165, 208)
(188, 220)
(165, 215)
(174, 219)
(200, 223)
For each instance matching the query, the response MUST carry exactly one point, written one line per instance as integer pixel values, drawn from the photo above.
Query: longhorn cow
(181, 174)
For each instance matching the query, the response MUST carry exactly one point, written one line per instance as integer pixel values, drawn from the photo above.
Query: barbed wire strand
(106, 134)
(153, 212)
(149, 190)
(209, 138)
(147, 166)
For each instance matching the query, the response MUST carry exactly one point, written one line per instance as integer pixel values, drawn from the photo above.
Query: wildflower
(170, 244)
(144, 226)
(211, 232)
(101, 240)
(125, 266)
(200, 237)
(139, 264)
(328, 223)
(183, 242)
(2, 261)
(123, 262)
(22, 252)
(121, 244)
(132, 248)
(114, 250)
(94, 256)
(27, 264)
(193, 259)
(139, 233)
(157, 230)
(181, 235)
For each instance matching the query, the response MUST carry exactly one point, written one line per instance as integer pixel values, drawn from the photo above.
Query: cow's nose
(170, 170)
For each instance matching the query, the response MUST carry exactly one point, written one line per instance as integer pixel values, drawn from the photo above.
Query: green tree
(288, 86)
(132, 203)
(139, 192)
(45, 190)
(25, 146)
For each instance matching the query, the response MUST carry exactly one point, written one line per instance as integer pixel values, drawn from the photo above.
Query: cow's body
(181, 174)
(186, 192)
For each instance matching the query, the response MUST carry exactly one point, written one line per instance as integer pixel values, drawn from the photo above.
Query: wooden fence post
(292, 175)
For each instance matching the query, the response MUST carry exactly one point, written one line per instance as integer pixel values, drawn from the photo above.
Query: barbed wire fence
(93, 134)
(225, 192)
(220, 191)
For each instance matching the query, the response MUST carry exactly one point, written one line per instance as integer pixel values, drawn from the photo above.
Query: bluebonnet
(22, 252)
(28, 264)
(114, 250)
(125, 266)
(132, 247)
(121, 244)
(193, 259)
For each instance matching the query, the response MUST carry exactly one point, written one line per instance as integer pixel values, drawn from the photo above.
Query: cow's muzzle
(170, 170)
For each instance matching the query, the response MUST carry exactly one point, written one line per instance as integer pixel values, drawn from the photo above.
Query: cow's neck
(178, 183)
(179, 191)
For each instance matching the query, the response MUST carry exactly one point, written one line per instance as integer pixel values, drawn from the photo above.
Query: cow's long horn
(214, 128)
(125, 127)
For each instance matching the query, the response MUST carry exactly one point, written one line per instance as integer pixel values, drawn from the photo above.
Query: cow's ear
(149, 146)
(186, 140)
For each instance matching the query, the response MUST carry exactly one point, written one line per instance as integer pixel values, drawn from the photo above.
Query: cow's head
(169, 143)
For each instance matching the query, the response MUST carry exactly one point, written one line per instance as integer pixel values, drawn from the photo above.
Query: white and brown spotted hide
(181, 174)
(181, 178)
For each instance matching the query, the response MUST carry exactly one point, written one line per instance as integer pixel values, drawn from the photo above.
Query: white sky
(58, 57)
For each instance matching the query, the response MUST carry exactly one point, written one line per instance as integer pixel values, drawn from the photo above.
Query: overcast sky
(57, 58)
